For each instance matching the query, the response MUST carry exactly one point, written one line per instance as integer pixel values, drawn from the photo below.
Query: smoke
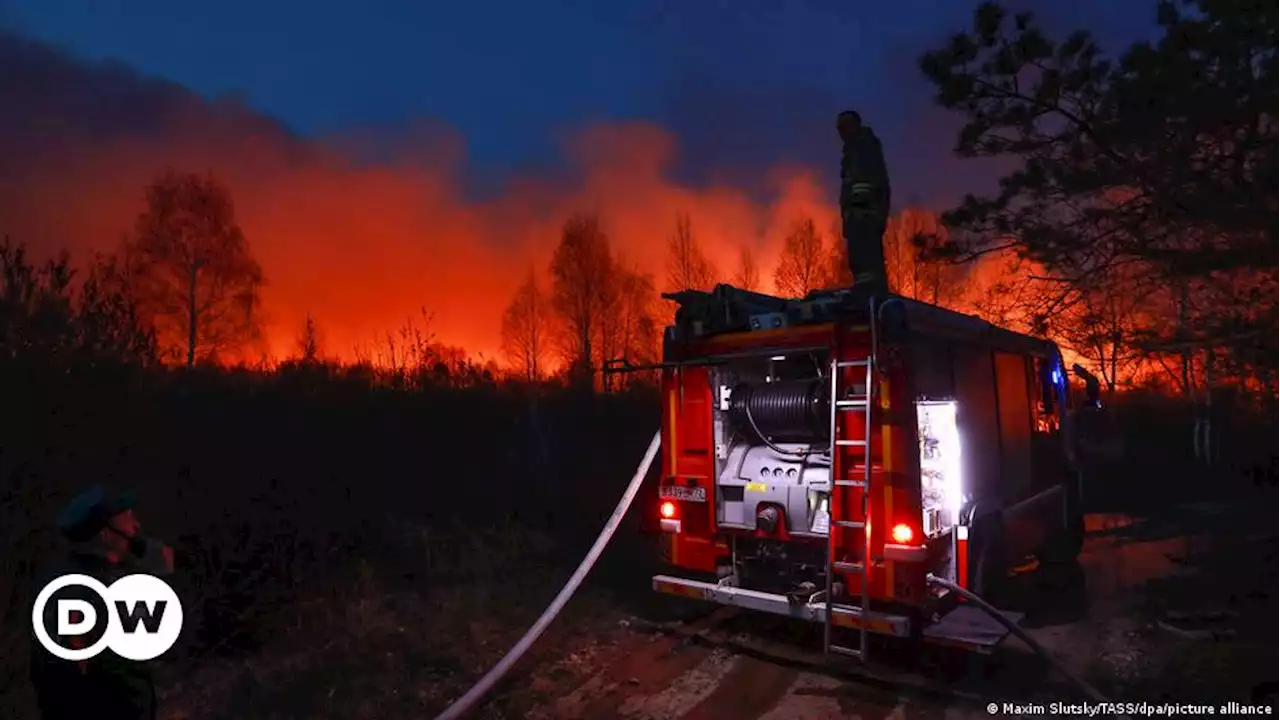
(364, 231)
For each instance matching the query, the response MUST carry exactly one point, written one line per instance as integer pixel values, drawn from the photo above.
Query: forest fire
(370, 259)
(363, 249)
(372, 254)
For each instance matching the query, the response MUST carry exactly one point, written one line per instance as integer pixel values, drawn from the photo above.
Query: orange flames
(365, 249)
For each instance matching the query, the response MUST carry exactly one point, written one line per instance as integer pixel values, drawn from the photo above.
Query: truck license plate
(677, 492)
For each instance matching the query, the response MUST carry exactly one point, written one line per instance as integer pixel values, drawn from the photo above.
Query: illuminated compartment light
(668, 510)
(940, 466)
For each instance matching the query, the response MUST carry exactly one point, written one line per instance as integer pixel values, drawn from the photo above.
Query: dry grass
(371, 649)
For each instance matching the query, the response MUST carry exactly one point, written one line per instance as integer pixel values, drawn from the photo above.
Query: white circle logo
(143, 617)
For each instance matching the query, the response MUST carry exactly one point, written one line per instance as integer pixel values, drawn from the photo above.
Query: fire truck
(822, 456)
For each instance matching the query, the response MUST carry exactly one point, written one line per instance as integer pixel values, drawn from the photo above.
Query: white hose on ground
(465, 703)
(1024, 636)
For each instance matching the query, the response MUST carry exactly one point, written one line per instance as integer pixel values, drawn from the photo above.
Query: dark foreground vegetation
(300, 499)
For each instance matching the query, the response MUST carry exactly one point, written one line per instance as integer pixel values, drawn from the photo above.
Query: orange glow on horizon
(366, 250)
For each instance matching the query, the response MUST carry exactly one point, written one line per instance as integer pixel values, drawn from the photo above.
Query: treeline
(594, 307)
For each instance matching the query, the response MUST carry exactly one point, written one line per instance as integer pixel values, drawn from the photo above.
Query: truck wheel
(991, 564)
(1065, 546)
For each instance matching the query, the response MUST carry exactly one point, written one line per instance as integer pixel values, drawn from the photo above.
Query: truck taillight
(667, 510)
(902, 534)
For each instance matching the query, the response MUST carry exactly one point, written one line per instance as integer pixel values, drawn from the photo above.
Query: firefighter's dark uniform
(864, 202)
(105, 686)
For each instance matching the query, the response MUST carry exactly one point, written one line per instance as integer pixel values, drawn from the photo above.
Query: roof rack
(728, 309)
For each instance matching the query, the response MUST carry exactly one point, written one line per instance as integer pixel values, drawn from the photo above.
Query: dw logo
(143, 617)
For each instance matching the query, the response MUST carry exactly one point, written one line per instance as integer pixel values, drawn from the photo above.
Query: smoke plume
(360, 246)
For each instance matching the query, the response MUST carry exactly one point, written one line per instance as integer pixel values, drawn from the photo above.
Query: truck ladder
(844, 454)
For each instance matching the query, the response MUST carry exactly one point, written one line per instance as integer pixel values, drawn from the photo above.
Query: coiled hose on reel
(785, 411)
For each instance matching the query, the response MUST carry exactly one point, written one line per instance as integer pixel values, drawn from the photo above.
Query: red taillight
(902, 533)
(667, 510)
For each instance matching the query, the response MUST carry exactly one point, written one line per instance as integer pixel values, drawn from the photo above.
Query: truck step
(851, 524)
(847, 566)
(851, 443)
(851, 483)
(848, 651)
(845, 616)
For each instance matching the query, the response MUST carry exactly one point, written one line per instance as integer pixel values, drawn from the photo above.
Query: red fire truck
(821, 456)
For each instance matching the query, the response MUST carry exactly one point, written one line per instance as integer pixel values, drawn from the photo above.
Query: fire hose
(465, 703)
(1025, 637)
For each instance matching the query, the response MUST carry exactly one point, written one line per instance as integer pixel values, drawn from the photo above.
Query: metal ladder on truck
(844, 455)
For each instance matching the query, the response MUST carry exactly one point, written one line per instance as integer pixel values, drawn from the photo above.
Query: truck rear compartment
(804, 479)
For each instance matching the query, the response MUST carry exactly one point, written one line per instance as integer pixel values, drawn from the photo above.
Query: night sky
(743, 85)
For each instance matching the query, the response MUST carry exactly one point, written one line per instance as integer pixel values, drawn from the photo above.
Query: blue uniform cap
(88, 512)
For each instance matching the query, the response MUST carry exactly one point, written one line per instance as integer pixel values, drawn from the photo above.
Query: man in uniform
(106, 543)
(864, 202)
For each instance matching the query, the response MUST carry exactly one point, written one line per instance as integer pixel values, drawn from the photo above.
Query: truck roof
(728, 309)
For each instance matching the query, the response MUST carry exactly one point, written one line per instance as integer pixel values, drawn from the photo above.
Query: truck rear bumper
(841, 615)
(963, 627)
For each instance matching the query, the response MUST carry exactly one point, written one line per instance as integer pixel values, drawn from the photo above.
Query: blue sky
(740, 83)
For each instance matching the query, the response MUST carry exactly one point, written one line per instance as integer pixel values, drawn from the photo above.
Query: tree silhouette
(914, 269)
(747, 276)
(837, 273)
(310, 350)
(804, 264)
(526, 330)
(192, 273)
(45, 319)
(631, 328)
(584, 287)
(687, 267)
(1002, 290)
(1162, 161)
(1102, 328)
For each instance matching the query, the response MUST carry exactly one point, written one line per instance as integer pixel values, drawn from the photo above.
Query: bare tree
(747, 276)
(632, 327)
(687, 266)
(1103, 328)
(526, 330)
(583, 289)
(310, 348)
(194, 277)
(1002, 290)
(804, 263)
(837, 273)
(911, 263)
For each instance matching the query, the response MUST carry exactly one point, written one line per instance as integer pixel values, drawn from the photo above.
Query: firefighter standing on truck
(864, 202)
(106, 543)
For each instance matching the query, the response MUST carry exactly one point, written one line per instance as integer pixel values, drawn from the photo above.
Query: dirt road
(1098, 621)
